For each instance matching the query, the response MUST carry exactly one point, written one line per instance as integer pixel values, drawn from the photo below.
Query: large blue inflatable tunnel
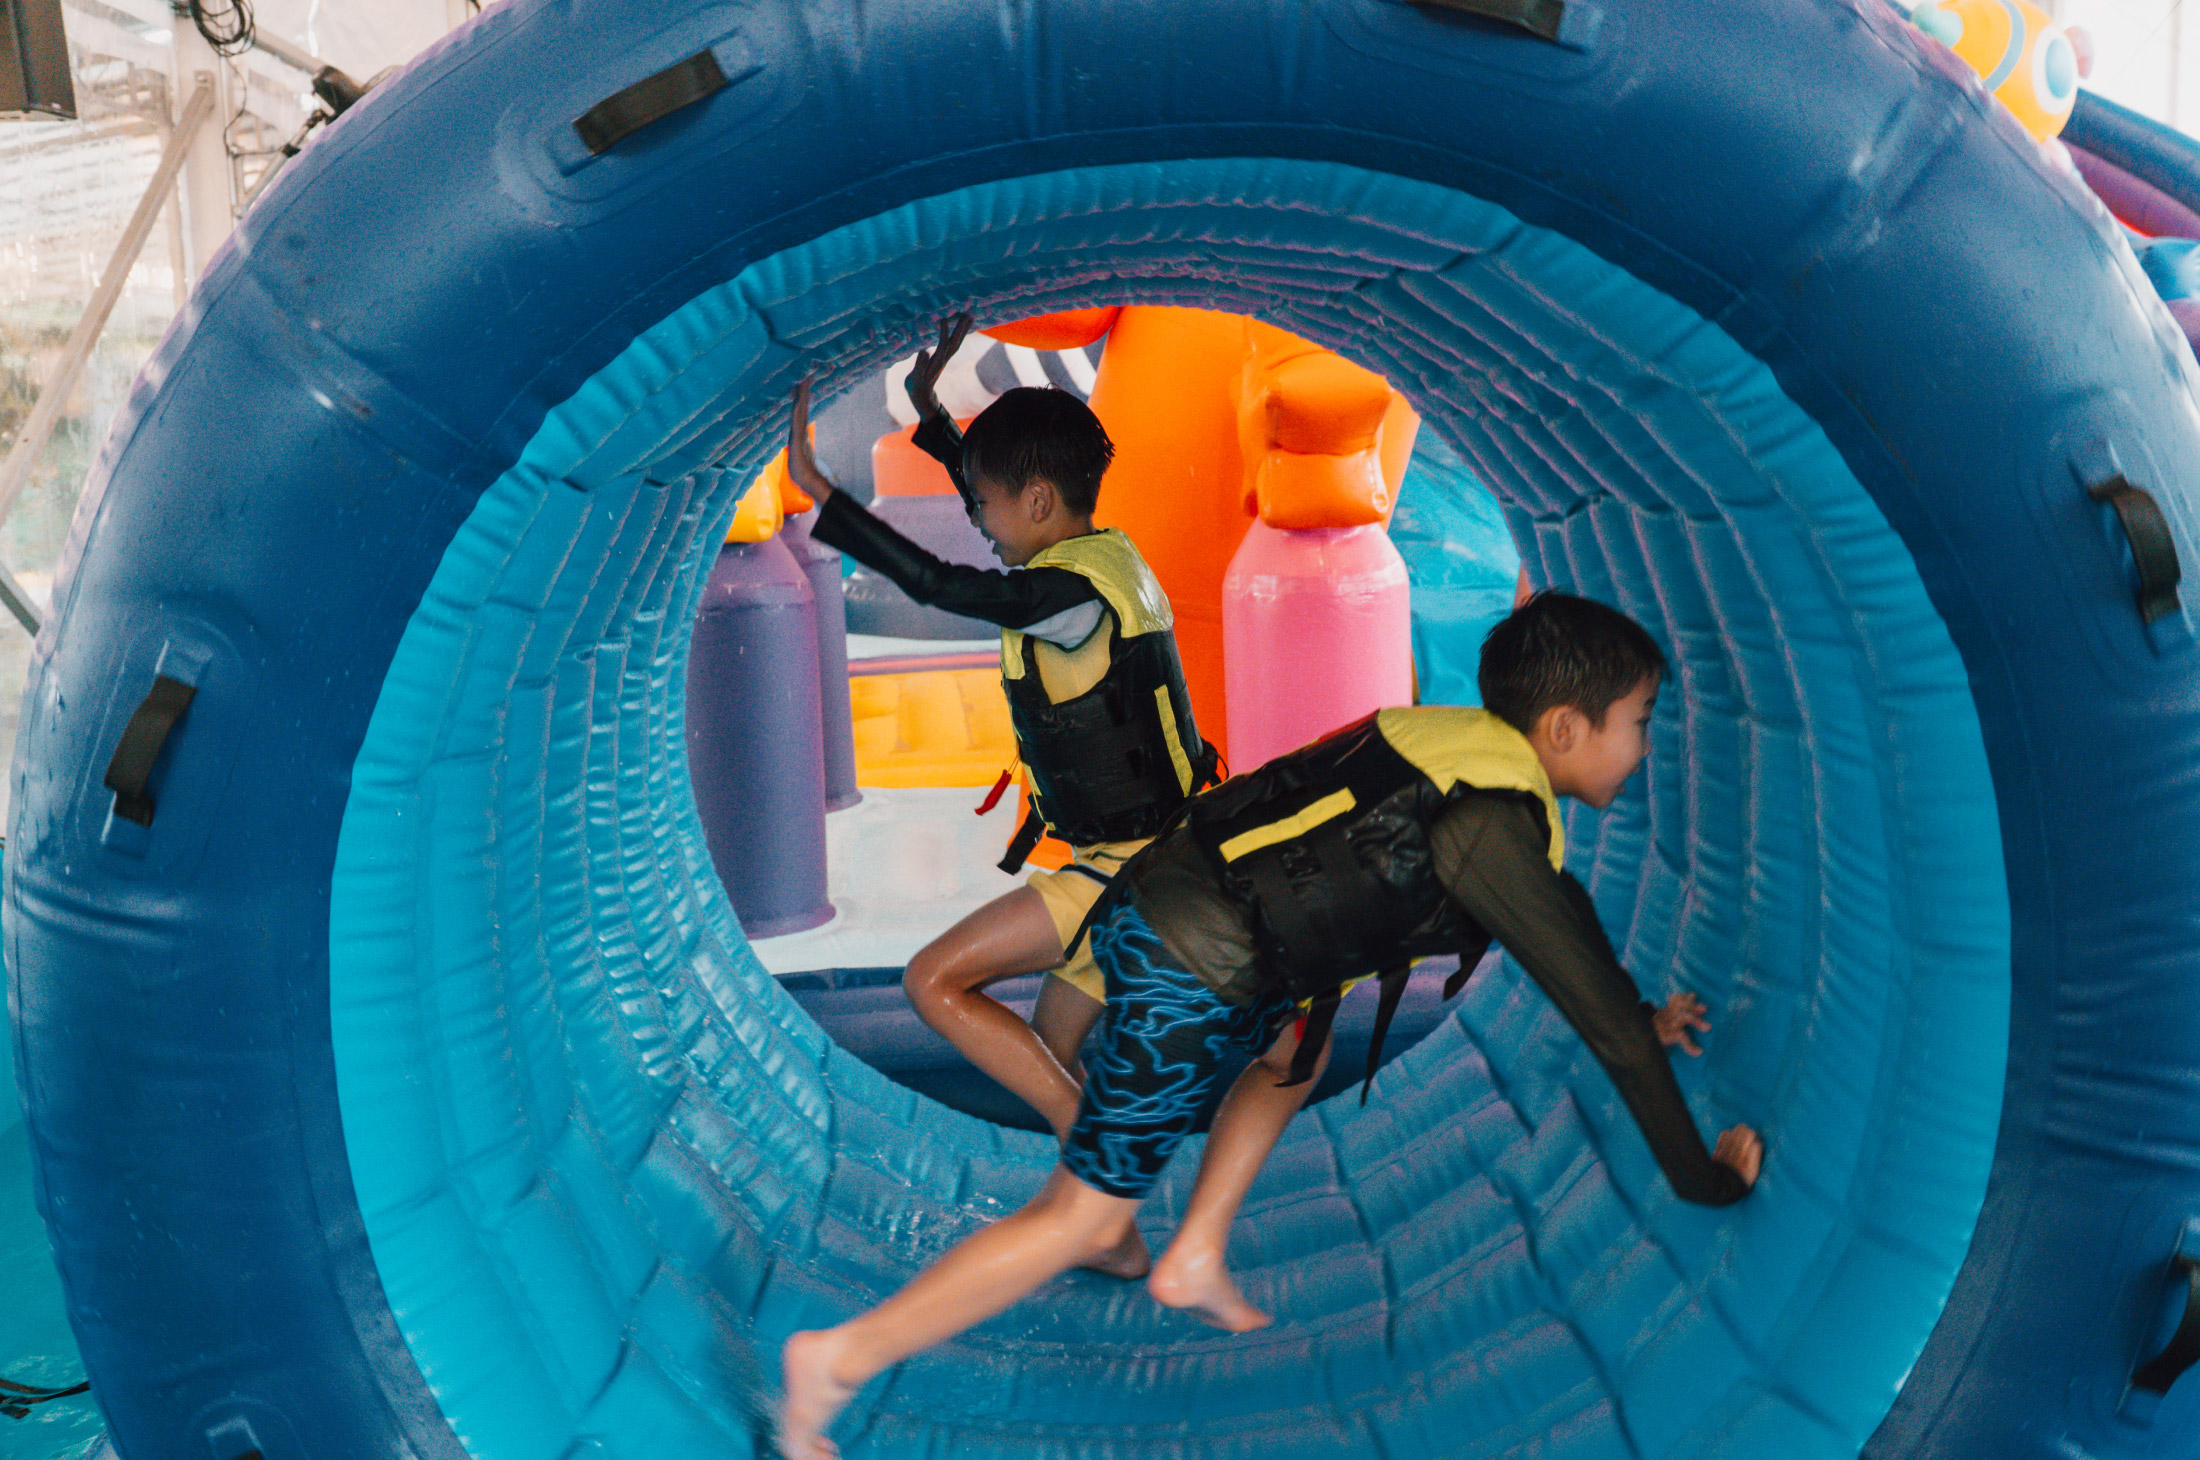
(401, 1084)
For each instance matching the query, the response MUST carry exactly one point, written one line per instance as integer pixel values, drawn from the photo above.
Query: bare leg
(1067, 1223)
(1194, 1273)
(1011, 935)
(1062, 1017)
(1014, 934)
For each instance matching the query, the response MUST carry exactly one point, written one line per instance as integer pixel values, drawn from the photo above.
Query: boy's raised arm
(937, 435)
(1028, 598)
(1490, 856)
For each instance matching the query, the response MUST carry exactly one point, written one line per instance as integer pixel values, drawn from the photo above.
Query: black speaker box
(34, 59)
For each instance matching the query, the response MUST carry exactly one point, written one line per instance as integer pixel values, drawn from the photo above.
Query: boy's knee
(925, 977)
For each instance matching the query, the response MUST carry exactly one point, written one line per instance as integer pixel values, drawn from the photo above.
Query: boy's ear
(1040, 497)
(1562, 727)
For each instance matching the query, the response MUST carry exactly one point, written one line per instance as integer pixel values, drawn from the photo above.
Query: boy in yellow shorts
(1095, 692)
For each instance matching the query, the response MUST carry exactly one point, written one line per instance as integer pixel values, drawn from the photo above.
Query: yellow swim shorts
(1069, 894)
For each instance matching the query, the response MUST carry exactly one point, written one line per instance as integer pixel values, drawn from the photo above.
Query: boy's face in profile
(1015, 520)
(1592, 762)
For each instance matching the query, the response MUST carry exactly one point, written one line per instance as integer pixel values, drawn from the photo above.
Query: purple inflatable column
(822, 566)
(754, 748)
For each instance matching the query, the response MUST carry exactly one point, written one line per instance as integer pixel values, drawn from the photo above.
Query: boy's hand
(1683, 1012)
(1742, 1150)
(801, 464)
(924, 378)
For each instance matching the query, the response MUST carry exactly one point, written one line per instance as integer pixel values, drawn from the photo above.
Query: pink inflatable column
(1317, 627)
(1316, 631)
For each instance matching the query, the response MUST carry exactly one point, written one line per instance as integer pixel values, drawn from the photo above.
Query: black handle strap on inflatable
(2183, 1350)
(2152, 548)
(619, 116)
(16, 1399)
(1537, 17)
(142, 741)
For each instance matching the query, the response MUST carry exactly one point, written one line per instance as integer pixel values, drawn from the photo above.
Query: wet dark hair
(1035, 431)
(1557, 649)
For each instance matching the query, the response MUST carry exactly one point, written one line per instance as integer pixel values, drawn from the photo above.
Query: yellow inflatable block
(937, 727)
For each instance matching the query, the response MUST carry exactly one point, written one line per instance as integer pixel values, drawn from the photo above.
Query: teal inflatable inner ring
(605, 1165)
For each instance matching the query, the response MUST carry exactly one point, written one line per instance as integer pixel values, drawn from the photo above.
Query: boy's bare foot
(1127, 1259)
(810, 1395)
(1742, 1149)
(1202, 1287)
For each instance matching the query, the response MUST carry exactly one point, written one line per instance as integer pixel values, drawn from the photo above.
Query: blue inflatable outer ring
(193, 960)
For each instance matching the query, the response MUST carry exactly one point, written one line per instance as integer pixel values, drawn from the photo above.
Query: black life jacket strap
(1313, 1036)
(1092, 914)
(1469, 956)
(1210, 769)
(16, 1399)
(1118, 885)
(1021, 845)
(1100, 908)
(1393, 981)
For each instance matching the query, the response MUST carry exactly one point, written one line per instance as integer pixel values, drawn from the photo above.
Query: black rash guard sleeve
(1014, 600)
(1491, 856)
(938, 437)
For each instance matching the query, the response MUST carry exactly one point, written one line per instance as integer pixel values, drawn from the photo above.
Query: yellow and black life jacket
(1329, 845)
(1329, 848)
(1115, 762)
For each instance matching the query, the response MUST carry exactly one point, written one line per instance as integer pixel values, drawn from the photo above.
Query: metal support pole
(18, 601)
(2176, 67)
(46, 414)
(207, 188)
(297, 58)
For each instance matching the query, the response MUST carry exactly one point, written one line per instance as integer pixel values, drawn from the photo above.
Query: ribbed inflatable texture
(1486, 1249)
(405, 1087)
(1464, 568)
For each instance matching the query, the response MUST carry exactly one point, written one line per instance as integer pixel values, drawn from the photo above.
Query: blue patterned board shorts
(1162, 1044)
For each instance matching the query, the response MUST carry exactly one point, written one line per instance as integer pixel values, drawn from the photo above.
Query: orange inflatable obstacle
(1216, 419)
(1317, 622)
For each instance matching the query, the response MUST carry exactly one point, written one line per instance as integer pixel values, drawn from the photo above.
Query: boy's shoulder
(1459, 743)
(1111, 562)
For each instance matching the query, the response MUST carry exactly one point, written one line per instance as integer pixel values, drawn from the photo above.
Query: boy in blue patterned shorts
(1412, 832)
